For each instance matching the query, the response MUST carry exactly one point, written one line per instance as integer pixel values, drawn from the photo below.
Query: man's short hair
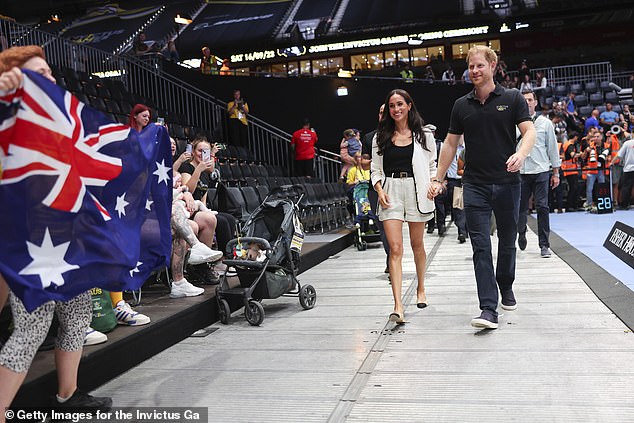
(530, 92)
(18, 56)
(487, 52)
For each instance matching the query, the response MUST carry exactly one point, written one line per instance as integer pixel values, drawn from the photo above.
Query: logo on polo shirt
(502, 107)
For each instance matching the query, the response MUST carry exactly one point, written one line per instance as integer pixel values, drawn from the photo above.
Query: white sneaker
(183, 288)
(94, 337)
(127, 316)
(200, 254)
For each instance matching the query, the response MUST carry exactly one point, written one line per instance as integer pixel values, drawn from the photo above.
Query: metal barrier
(573, 74)
(328, 166)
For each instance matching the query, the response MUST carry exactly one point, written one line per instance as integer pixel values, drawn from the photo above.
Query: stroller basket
(274, 283)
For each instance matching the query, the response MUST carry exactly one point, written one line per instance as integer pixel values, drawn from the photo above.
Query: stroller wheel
(307, 297)
(254, 312)
(363, 246)
(224, 312)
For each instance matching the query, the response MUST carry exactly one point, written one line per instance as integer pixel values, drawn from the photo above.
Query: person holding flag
(80, 196)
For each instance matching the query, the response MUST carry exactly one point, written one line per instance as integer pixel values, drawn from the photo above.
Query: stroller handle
(247, 240)
(286, 189)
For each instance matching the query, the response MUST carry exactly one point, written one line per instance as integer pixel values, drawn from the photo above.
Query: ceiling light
(342, 91)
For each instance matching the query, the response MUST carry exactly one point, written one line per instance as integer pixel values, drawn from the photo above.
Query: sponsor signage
(369, 42)
(620, 242)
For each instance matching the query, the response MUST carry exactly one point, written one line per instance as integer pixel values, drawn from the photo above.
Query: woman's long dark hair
(387, 126)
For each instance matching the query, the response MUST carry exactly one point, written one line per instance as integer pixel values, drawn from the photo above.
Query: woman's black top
(206, 180)
(398, 159)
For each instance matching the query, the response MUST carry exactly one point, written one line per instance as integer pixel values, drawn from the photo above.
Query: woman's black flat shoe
(421, 305)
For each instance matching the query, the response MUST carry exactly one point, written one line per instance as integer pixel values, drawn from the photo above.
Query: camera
(603, 157)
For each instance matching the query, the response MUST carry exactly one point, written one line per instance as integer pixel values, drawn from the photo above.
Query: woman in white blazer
(403, 163)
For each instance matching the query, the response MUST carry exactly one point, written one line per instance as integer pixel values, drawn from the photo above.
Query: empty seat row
(321, 205)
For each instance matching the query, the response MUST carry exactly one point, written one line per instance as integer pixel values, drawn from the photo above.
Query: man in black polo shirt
(373, 198)
(487, 117)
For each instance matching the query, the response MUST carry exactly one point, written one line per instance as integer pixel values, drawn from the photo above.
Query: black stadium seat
(561, 91)
(581, 100)
(596, 99)
(611, 97)
(576, 88)
(591, 87)
(251, 197)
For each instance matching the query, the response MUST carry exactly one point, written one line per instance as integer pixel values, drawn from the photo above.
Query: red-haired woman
(139, 117)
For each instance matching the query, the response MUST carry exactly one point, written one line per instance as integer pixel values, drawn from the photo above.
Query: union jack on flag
(84, 202)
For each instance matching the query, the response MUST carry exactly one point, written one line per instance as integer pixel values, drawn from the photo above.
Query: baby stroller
(266, 258)
(364, 220)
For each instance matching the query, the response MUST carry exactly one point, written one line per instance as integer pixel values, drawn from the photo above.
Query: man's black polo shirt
(489, 133)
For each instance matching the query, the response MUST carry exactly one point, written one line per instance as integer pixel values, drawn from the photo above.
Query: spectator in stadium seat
(403, 162)
(208, 63)
(590, 154)
(570, 165)
(303, 145)
(238, 109)
(30, 329)
(170, 52)
(430, 76)
(541, 82)
(225, 69)
(526, 84)
(592, 121)
(448, 76)
(524, 70)
(465, 77)
(608, 118)
(626, 116)
(199, 175)
(570, 104)
(140, 46)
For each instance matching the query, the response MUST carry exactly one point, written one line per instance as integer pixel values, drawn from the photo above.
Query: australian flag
(84, 202)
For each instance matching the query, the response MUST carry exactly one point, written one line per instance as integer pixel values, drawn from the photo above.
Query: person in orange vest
(571, 155)
(591, 156)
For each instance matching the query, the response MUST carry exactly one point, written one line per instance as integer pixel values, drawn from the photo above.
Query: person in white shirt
(536, 177)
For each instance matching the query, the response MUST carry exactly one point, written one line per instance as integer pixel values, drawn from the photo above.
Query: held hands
(384, 200)
(435, 188)
(11, 79)
(515, 162)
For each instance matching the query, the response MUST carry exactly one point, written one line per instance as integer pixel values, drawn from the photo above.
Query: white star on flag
(148, 204)
(136, 269)
(48, 261)
(121, 203)
(161, 172)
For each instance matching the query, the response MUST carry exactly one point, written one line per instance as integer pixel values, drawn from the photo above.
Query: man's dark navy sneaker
(486, 320)
(508, 300)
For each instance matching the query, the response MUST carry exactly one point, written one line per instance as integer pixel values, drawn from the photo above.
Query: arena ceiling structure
(230, 26)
